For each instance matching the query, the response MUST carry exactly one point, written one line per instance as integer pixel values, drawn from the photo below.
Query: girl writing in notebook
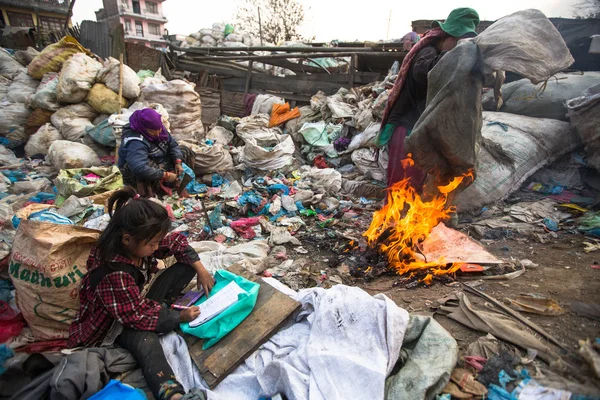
(113, 309)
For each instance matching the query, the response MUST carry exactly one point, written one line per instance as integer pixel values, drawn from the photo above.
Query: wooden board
(270, 312)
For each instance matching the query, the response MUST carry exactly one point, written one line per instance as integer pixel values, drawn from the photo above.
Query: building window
(128, 25)
(125, 4)
(139, 29)
(51, 23)
(20, 19)
(154, 29)
(136, 7)
(151, 7)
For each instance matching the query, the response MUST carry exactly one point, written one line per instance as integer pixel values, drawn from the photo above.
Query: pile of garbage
(221, 35)
(64, 103)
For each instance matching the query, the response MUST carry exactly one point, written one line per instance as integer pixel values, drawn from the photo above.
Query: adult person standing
(407, 100)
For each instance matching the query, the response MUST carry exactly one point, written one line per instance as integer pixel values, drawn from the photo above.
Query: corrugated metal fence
(96, 37)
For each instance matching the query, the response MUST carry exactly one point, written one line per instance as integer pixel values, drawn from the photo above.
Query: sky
(343, 20)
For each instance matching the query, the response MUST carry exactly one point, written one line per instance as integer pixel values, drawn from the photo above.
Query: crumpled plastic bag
(255, 156)
(256, 127)
(264, 104)
(67, 184)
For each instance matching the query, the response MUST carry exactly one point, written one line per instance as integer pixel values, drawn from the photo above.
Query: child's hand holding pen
(189, 314)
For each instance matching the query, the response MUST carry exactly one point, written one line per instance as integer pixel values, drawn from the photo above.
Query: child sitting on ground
(112, 307)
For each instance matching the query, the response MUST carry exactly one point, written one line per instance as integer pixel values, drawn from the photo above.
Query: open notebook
(217, 303)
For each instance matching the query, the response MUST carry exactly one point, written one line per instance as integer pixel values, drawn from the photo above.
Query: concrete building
(48, 15)
(142, 20)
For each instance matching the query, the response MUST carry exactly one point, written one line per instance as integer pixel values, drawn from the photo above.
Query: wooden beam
(208, 50)
(293, 55)
(248, 77)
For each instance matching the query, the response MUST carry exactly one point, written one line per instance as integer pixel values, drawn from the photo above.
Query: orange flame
(405, 222)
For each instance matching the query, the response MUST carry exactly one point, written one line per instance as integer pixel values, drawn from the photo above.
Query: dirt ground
(564, 273)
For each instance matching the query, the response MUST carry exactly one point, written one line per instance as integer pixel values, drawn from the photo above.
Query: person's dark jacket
(412, 101)
(136, 151)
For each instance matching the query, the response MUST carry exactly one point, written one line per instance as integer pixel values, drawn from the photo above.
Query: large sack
(444, 139)
(109, 75)
(507, 158)
(46, 267)
(81, 110)
(255, 156)
(366, 161)
(327, 178)
(526, 43)
(220, 135)
(9, 67)
(40, 142)
(103, 133)
(105, 101)
(584, 112)
(75, 128)
(13, 117)
(76, 78)
(25, 57)
(21, 88)
(45, 94)
(545, 101)
(68, 182)
(256, 127)
(264, 104)
(210, 159)
(37, 119)
(182, 103)
(52, 58)
(122, 119)
(64, 154)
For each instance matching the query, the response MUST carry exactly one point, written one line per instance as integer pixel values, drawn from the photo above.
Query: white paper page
(217, 303)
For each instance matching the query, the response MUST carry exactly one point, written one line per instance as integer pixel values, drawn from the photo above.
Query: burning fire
(406, 221)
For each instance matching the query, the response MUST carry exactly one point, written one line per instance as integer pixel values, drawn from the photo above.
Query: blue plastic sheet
(215, 217)
(274, 189)
(51, 217)
(41, 197)
(103, 134)
(5, 288)
(218, 180)
(194, 187)
(14, 176)
(250, 197)
(117, 390)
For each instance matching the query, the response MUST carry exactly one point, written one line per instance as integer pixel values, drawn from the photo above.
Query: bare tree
(587, 9)
(279, 19)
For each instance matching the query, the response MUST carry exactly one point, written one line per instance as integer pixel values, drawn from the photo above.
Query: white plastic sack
(12, 120)
(255, 156)
(215, 256)
(234, 37)
(9, 67)
(45, 94)
(122, 119)
(524, 98)
(339, 109)
(182, 103)
(256, 127)
(366, 161)
(526, 43)
(40, 142)
(584, 112)
(21, 88)
(209, 40)
(64, 154)
(82, 110)
(507, 158)
(264, 103)
(220, 135)
(75, 128)
(7, 157)
(210, 159)
(366, 138)
(109, 75)
(327, 178)
(76, 78)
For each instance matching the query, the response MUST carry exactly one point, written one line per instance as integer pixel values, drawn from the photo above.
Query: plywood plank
(270, 312)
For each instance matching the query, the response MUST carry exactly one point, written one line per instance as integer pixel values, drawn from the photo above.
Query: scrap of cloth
(343, 344)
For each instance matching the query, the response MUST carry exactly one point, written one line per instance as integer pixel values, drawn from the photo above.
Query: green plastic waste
(228, 29)
(214, 330)
(308, 212)
(145, 73)
(68, 182)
